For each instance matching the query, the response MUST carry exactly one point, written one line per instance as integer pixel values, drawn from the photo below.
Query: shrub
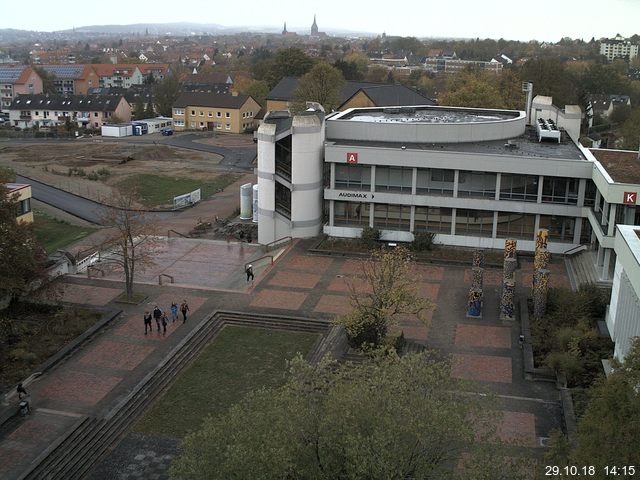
(370, 237)
(22, 355)
(93, 176)
(422, 241)
(103, 172)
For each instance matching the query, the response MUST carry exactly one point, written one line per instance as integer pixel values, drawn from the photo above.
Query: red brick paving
(16, 455)
(518, 428)
(430, 273)
(133, 327)
(164, 302)
(87, 294)
(336, 304)
(419, 333)
(288, 278)
(284, 299)
(486, 368)
(482, 336)
(352, 266)
(429, 290)
(78, 387)
(35, 428)
(305, 262)
(118, 355)
(341, 284)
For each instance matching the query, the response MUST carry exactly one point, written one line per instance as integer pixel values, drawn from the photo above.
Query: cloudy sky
(510, 19)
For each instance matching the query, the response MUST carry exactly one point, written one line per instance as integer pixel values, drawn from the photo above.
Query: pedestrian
(241, 235)
(174, 311)
(249, 272)
(249, 237)
(165, 320)
(22, 392)
(184, 308)
(147, 322)
(157, 315)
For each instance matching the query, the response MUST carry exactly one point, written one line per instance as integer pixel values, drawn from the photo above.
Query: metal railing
(574, 250)
(176, 232)
(274, 244)
(91, 268)
(252, 262)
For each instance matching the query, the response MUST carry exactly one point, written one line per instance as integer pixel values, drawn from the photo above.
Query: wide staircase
(72, 457)
(582, 270)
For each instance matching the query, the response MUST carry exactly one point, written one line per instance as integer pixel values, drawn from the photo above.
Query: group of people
(161, 318)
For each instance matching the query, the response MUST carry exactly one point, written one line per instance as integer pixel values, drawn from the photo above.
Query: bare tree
(130, 238)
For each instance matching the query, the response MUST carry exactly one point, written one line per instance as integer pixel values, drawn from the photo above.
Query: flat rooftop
(427, 114)
(622, 165)
(526, 145)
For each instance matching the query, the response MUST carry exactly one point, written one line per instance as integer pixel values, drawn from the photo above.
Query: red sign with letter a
(630, 198)
(352, 157)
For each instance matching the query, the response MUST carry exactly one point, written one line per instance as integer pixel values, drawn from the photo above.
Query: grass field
(239, 360)
(158, 190)
(54, 234)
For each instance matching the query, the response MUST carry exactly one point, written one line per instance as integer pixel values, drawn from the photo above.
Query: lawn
(159, 190)
(54, 234)
(239, 360)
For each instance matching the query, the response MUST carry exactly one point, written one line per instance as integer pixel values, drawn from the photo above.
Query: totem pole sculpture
(508, 280)
(474, 304)
(540, 286)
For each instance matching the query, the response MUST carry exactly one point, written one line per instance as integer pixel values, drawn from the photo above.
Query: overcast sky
(547, 20)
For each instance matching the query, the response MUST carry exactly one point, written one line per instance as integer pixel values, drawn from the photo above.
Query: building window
(429, 219)
(474, 223)
(516, 225)
(394, 179)
(95, 114)
(227, 126)
(193, 124)
(179, 123)
(201, 124)
(353, 177)
(560, 228)
(219, 126)
(560, 190)
(201, 113)
(476, 184)
(218, 114)
(283, 200)
(435, 181)
(351, 214)
(391, 217)
(210, 114)
(227, 115)
(23, 207)
(590, 194)
(519, 187)
(193, 112)
(179, 111)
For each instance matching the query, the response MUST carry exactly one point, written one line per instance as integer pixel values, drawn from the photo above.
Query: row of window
(218, 126)
(474, 184)
(476, 223)
(180, 111)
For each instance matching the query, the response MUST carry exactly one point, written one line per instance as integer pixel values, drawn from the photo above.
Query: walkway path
(94, 379)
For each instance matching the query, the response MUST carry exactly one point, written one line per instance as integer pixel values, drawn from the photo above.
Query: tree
(149, 112)
(388, 418)
(138, 111)
(472, 89)
(630, 131)
(165, 94)
(131, 237)
(392, 291)
(22, 259)
(377, 74)
(323, 84)
(551, 78)
(48, 87)
(609, 430)
(288, 62)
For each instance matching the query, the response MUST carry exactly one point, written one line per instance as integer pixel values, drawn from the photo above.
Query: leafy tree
(288, 62)
(257, 89)
(138, 111)
(472, 89)
(323, 84)
(550, 78)
(48, 86)
(22, 260)
(630, 131)
(609, 431)
(620, 113)
(131, 237)
(377, 73)
(149, 111)
(349, 70)
(392, 291)
(165, 94)
(388, 418)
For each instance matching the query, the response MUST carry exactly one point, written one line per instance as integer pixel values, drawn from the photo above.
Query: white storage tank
(255, 203)
(246, 200)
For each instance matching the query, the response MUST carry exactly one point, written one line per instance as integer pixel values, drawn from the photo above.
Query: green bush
(22, 355)
(370, 237)
(103, 172)
(422, 241)
(93, 176)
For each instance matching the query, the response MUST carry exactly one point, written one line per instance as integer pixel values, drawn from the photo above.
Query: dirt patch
(94, 170)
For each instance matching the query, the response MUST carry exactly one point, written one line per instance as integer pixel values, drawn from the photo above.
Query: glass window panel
(474, 222)
(516, 225)
(351, 214)
(428, 219)
(519, 187)
(353, 177)
(476, 184)
(391, 217)
(560, 228)
(435, 181)
(560, 190)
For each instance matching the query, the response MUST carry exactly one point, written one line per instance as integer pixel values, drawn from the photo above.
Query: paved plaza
(209, 276)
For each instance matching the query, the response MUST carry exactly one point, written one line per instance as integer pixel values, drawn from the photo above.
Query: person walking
(22, 392)
(249, 272)
(174, 311)
(165, 320)
(157, 315)
(184, 308)
(147, 322)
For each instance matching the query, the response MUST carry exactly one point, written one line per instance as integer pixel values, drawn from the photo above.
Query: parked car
(167, 131)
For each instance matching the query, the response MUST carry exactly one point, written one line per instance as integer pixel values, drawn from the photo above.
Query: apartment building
(215, 112)
(72, 79)
(618, 47)
(17, 80)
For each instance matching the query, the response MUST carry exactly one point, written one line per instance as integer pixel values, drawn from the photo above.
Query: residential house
(603, 105)
(618, 47)
(353, 94)
(72, 79)
(214, 112)
(17, 80)
(22, 193)
(118, 75)
(216, 82)
(89, 111)
(156, 70)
